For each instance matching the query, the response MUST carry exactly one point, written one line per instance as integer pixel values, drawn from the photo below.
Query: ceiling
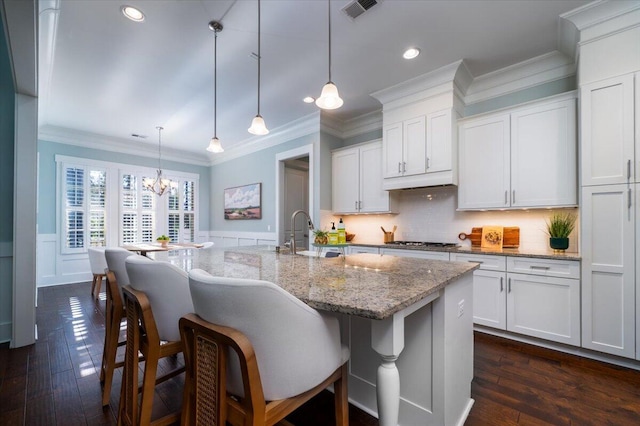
(104, 75)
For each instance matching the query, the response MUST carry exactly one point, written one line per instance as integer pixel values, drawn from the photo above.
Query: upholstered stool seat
(254, 353)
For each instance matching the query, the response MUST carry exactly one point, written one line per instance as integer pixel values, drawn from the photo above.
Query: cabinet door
(637, 223)
(489, 300)
(345, 180)
(608, 267)
(544, 155)
(544, 307)
(392, 150)
(607, 126)
(372, 197)
(439, 141)
(414, 152)
(484, 162)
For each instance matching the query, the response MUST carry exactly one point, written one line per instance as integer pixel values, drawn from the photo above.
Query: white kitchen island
(407, 321)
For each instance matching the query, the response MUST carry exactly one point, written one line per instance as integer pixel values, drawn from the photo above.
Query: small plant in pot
(163, 240)
(559, 227)
(321, 237)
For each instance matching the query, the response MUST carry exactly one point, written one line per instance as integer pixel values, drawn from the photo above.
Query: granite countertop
(364, 285)
(519, 252)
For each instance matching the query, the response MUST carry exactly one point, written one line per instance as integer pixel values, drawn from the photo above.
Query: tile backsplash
(429, 214)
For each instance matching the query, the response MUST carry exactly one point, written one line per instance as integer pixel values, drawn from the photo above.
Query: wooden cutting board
(510, 237)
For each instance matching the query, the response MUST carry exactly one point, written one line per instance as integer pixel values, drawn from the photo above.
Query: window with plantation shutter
(105, 204)
(84, 208)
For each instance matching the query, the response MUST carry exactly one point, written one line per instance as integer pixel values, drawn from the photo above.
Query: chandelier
(159, 184)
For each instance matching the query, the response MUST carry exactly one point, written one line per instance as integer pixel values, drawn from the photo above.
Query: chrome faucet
(292, 241)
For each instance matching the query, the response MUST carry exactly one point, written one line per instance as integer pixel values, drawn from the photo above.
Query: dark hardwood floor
(55, 381)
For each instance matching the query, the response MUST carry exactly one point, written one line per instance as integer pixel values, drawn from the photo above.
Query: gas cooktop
(421, 244)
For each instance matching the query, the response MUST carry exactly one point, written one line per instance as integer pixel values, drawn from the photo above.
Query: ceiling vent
(355, 8)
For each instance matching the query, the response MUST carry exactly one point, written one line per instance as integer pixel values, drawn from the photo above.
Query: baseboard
(573, 350)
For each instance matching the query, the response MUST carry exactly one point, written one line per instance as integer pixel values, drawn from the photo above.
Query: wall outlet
(460, 308)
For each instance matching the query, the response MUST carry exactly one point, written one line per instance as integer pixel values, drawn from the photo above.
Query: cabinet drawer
(488, 263)
(363, 249)
(546, 267)
(420, 254)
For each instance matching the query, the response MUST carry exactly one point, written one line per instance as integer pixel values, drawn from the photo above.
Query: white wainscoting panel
(54, 268)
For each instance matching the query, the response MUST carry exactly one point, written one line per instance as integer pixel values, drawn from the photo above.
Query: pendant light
(214, 145)
(160, 184)
(329, 98)
(257, 125)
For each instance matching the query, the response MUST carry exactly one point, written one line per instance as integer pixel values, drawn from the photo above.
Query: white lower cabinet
(608, 269)
(363, 249)
(433, 255)
(532, 296)
(544, 307)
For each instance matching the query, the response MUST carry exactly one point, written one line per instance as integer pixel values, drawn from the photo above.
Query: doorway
(294, 191)
(296, 197)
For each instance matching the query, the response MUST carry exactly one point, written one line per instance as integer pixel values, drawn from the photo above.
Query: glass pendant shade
(215, 146)
(257, 126)
(329, 98)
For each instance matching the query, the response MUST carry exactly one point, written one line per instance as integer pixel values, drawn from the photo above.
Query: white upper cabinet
(607, 117)
(543, 155)
(519, 158)
(484, 163)
(357, 180)
(419, 131)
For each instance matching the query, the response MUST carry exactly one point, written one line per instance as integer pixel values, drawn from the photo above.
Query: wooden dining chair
(114, 314)
(156, 298)
(98, 264)
(254, 353)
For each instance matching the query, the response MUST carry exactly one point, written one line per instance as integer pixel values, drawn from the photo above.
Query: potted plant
(163, 240)
(559, 227)
(321, 237)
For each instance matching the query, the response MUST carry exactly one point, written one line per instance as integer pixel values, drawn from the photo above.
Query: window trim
(113, 210)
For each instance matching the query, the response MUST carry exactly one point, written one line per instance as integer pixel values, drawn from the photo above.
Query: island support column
(387, 339)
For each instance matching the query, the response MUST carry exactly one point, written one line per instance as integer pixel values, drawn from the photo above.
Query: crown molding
(426, 85)
(362, 124)
(542, 69)
(303, 126)
(603, 17)
(84, 139)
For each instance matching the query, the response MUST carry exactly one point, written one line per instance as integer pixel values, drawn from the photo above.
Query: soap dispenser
(342, 233)
(333, 234)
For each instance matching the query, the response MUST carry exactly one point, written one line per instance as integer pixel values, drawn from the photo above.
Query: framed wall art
(243, 202)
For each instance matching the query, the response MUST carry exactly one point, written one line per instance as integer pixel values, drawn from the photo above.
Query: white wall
(429, 214)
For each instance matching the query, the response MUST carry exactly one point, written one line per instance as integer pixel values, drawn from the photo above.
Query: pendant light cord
(329, 15)
(215, 84)
(259, 57)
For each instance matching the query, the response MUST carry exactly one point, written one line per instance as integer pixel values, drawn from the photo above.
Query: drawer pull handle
(509, 286)
(501, 284)
(543, 268)
(475, 261)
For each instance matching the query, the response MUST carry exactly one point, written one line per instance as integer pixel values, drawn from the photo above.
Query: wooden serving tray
(510, 237)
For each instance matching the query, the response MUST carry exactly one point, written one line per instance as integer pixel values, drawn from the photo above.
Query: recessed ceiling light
(411, 53)
(308, 100)
(132, 13)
